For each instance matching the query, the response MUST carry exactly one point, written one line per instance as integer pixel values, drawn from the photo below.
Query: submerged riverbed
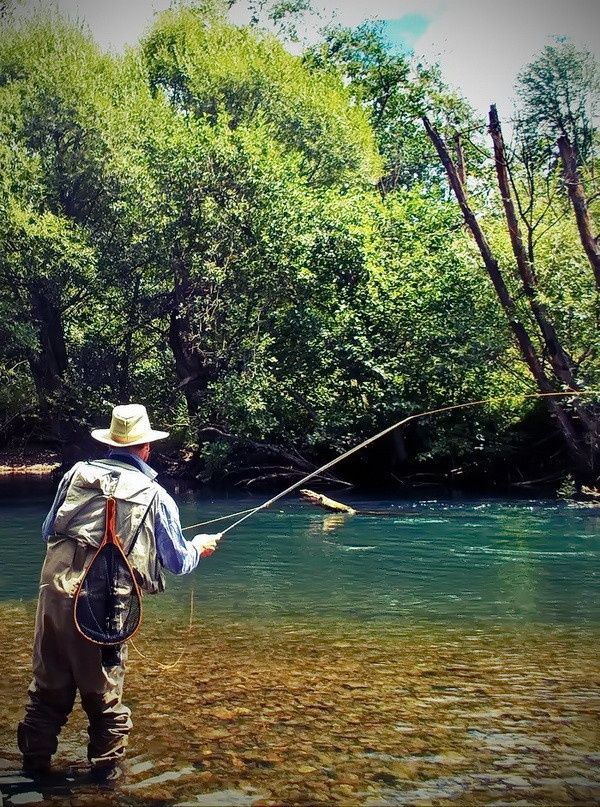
(447, 654)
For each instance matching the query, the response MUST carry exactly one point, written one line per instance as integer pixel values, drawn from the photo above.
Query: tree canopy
(559, 94)
(261, 247)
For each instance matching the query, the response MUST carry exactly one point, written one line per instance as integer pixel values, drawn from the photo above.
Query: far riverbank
(40, 461)
(29, 461)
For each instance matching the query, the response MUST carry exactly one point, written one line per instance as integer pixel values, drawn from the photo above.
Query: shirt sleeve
(175, 553)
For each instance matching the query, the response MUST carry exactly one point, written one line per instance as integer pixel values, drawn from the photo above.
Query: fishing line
(496, 399)
(183, 652)
(220, 518)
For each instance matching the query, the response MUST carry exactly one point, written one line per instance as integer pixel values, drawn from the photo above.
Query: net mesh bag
(108, 606)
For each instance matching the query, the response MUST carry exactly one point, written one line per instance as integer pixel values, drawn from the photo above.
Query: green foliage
(559, 94)
(213, 70)
(565, 282)
(396, 91)
(197, 225)
(73, 227)
(285, 16)
(389, 320)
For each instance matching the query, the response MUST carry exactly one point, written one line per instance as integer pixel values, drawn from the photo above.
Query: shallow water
(447, 655)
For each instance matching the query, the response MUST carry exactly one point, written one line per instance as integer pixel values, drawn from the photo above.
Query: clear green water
(445, 655)
(462, 561)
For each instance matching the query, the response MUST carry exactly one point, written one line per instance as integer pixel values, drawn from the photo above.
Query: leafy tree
(50, 148)
(526, 304)
(395, 91)
(559, 94)
(209, 68)
(76, 230)
(275, 332)
(380, 334)
(255, 138)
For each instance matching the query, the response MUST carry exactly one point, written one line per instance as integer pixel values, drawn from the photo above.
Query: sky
(480, 45)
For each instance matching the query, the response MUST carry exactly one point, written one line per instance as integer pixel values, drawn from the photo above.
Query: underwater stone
(26, 798)
(168, 776)
(515, 781)
(223, 798)
(141, 767)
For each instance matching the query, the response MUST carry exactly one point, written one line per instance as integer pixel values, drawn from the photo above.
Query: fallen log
(326, 502)
(339, 507)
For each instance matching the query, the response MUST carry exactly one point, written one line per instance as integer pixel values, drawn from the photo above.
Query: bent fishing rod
(245, 514)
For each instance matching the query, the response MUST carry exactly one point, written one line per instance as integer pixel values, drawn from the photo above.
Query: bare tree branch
(578, 200)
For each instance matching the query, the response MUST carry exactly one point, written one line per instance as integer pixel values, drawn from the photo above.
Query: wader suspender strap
(143, 518)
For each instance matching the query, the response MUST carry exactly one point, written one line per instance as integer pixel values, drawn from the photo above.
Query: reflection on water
(287, 713)
(444, 655)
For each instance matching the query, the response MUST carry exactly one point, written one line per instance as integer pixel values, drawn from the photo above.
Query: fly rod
(245, 514)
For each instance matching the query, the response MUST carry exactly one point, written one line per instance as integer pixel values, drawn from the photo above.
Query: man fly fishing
(110, 532)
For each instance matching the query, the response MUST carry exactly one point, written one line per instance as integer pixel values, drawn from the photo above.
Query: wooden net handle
(110, 523)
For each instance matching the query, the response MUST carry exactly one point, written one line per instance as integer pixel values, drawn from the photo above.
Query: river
(446, 651)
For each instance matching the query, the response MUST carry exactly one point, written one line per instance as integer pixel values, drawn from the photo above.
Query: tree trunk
(124, 370)
(49, 364)
(460, 160)
(578, 200)
(193, 370)
(561, 362)
(576, 449)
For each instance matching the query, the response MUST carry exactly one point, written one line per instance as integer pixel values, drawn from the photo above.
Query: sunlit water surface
(446, 653)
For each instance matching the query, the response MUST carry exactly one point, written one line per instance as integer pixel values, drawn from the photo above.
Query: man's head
(129, 428)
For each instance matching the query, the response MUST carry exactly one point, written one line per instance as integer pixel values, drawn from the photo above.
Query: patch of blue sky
(403, 32)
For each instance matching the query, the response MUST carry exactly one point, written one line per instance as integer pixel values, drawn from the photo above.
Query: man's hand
(206, 544)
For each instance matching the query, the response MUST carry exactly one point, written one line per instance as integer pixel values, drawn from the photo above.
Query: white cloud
(481, 46)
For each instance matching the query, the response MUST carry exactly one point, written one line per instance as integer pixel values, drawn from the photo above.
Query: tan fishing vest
(79, 524)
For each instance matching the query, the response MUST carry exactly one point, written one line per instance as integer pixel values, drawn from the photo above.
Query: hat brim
(103, 436)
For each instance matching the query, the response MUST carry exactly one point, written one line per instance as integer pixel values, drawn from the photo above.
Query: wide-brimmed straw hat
(129, 426)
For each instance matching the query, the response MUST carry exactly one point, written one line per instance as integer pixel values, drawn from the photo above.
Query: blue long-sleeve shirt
(175, 553)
